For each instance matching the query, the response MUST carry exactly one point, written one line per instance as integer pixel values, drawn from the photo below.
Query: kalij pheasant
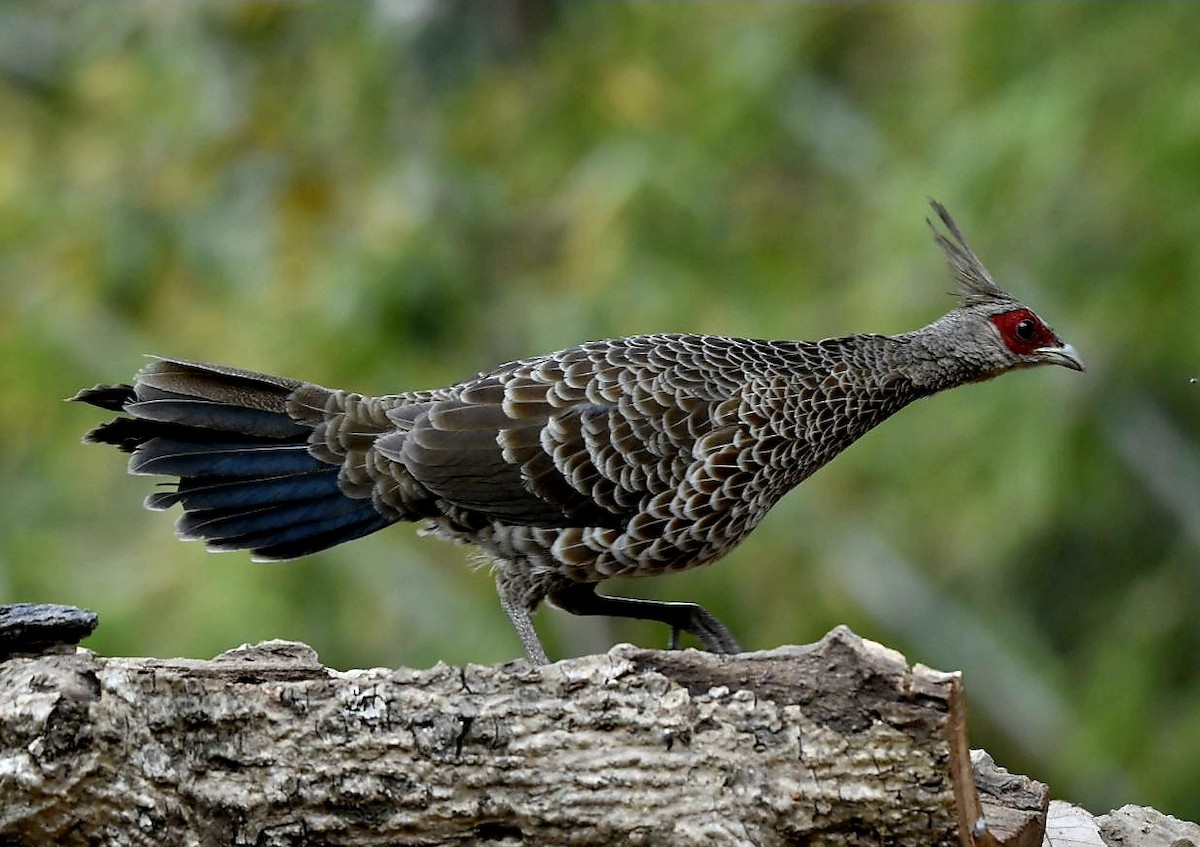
(627, 457)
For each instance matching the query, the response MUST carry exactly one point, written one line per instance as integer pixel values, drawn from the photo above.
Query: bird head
(991, 327)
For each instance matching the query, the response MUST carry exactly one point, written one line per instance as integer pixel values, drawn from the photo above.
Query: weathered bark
(838, 743)
(1128, 826)
(33, 629)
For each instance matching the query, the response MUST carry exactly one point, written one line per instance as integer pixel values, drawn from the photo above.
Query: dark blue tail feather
(230, 525)
(215, 492)
(173, 457)
(246, 477)
(292, 545)
(204, 414)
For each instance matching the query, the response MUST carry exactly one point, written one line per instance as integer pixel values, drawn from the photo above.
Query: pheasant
(627, 457)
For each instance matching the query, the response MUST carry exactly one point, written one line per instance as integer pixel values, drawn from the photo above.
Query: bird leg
(581, 599)
(516, 606)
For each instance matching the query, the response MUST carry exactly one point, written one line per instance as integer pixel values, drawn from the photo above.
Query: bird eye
(1022, 331)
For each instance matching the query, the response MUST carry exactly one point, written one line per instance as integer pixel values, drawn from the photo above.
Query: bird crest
(975, 285)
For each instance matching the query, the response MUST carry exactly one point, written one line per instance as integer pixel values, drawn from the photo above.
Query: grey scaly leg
(516, 606)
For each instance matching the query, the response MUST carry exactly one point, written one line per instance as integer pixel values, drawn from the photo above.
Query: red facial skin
(1023, 331)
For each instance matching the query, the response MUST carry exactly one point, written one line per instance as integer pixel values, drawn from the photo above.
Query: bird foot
(582, 599)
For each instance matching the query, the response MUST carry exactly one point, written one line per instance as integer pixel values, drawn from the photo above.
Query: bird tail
(247, 478)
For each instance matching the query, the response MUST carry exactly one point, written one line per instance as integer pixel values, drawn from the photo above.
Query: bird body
(626, 457)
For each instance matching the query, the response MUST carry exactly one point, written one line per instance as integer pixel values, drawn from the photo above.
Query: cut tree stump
(837, 743)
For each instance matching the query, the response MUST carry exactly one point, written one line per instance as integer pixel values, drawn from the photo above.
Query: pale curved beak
(1064, 355)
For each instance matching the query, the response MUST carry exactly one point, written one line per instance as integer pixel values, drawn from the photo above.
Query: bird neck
(934, 358)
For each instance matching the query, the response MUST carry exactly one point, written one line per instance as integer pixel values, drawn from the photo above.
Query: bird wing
(552, 442)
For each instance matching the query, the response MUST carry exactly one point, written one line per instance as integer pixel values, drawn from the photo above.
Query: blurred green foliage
(394, 195)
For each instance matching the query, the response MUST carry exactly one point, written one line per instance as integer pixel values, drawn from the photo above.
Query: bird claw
(713, 635)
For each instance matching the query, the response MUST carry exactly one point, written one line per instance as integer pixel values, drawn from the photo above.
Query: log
(32, 629)
(1128, 826)
(837, 743)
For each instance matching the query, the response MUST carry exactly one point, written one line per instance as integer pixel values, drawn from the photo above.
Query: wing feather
(582, 440)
